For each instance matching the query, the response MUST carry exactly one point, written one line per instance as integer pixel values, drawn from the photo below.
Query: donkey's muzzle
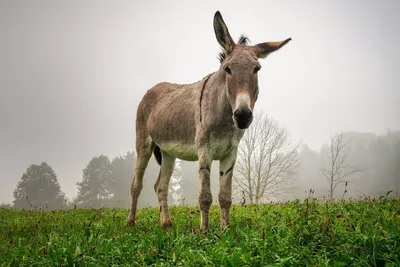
(243, 117)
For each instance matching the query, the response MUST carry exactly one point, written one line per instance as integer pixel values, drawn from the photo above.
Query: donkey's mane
(243, 40)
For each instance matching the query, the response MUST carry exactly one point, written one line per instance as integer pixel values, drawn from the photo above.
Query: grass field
(359, 233)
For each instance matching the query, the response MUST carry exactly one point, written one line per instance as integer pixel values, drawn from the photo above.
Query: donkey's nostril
(243, 114)
(243, 117)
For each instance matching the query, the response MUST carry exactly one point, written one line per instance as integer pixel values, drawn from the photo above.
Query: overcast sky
(73, 72)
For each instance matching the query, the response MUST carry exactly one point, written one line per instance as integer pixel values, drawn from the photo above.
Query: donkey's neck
(219, 83)
(216, 100)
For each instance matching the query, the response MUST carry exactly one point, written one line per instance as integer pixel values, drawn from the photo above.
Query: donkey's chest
(221, 144)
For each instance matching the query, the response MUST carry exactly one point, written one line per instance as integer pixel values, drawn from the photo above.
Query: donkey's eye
(256, 69)
(228, 70)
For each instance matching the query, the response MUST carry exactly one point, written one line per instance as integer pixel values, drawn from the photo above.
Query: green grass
(359, 233)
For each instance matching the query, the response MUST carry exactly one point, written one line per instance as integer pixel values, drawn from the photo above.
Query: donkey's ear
(222, 33)
(264, 49)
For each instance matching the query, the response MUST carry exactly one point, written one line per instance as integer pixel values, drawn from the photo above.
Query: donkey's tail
(157, 154)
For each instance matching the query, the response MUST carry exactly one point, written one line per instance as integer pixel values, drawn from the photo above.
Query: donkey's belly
(181, 151)
(219, 147)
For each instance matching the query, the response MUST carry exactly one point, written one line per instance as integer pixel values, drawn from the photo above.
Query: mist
(73, 73)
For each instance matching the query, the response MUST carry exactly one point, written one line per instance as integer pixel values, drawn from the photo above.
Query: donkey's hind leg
(161, 187)
(144, 148)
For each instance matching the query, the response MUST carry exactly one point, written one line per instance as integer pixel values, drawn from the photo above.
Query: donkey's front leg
(205, 197)
(226, 166)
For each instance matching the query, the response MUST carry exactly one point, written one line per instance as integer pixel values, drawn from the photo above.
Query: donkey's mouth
(242, 124)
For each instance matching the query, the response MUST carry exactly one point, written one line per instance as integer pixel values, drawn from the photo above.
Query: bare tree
(266, 162)
(337, 171)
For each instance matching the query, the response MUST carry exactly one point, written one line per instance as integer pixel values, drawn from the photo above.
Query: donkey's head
(240, 64)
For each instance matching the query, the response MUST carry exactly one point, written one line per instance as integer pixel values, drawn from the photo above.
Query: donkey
(202, 121)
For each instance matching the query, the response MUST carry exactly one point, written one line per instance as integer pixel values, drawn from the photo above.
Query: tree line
(350, 165)
(269, 167)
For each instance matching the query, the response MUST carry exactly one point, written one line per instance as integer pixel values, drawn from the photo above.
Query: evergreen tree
(39, 188)
(122, 168)
(95, 190)
(176, 190)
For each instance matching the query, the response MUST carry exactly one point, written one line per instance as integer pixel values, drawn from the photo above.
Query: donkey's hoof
(224, 226)
(166, 224)
(130, 222)
(205, 231)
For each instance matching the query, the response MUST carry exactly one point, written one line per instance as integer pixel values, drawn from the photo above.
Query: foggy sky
(73, 72)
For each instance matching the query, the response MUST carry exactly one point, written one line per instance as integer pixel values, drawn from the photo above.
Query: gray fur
(195, 122)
